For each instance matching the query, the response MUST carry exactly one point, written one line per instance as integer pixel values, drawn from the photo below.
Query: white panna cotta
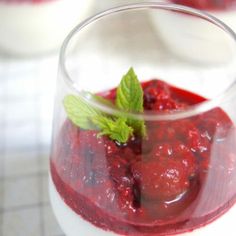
(194, 39)
(35, 27)
(73, 224)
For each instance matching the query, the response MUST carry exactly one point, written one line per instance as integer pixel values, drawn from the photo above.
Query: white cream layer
(73, 225)
(191, 38)
(28, 29)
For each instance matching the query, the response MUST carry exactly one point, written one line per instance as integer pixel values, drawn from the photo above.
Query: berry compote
(181, 176)
(27, 1)
(218, 5)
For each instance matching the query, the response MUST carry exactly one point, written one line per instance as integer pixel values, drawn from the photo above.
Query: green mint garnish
(117, 129)
(86, 117)
(102, 100)
(129, 98)
(79, 112)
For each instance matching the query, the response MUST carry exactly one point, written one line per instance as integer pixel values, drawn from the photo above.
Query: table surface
(26, 101)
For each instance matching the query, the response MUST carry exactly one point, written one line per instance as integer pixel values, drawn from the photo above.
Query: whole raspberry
(161, 179)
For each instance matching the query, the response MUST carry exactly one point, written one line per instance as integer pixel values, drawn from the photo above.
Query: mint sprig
(129, 95)
(115, 129)
(80, 112)
(129, 98)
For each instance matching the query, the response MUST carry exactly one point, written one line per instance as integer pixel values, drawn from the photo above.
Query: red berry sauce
(180, 177)
(25, 1)
(207, 5)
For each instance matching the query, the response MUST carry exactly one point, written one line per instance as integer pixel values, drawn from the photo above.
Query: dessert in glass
(34, 27)
(214, 5)
(224, 10)
(143, 142)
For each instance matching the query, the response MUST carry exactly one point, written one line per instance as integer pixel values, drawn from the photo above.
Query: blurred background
(31, 33)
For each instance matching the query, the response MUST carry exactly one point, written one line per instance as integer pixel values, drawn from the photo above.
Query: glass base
(71, 223)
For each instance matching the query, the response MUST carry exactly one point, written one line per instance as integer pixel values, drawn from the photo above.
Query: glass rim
(148, 115)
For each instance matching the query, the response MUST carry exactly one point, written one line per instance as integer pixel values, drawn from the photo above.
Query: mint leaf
(102, 100)
(138, 126)
(129, 93)
(115, 129)
(86, 117)
(79, 112)
(129, 98)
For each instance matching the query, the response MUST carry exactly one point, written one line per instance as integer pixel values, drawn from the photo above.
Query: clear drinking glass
(179, 176)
